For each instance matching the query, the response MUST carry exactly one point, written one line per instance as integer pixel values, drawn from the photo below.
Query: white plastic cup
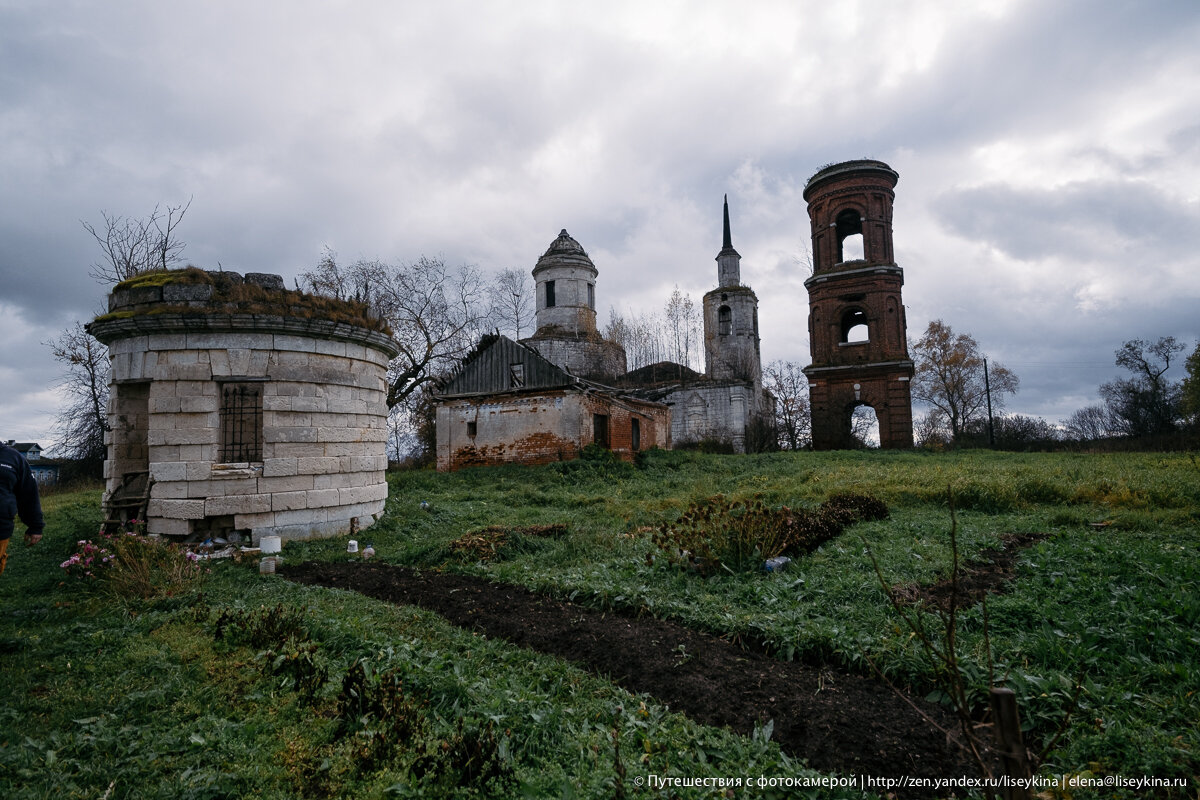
(352, 546)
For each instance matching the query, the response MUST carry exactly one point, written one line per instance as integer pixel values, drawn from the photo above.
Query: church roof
(565, 243)
(492, 369)
(659, 373)
(726, 238)
(564, 251)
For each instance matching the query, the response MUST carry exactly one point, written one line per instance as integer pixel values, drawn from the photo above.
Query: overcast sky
(1048, 152)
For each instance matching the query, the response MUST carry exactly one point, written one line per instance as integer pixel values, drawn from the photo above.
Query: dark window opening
(724, 321)
(592, 296)
(635, 434)
(241, 423)
(516, 376)
(472, 428)
(851, 246)
(854, 327)
(549, 294)
(600, 430)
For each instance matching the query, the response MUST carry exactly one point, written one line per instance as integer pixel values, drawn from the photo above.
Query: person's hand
(32, 538)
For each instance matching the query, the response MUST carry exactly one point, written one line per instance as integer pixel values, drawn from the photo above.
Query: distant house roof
(27, 449)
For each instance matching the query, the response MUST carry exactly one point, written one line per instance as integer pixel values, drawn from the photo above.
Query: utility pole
(987, 388)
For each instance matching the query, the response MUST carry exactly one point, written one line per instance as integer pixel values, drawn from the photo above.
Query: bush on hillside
(739, 535)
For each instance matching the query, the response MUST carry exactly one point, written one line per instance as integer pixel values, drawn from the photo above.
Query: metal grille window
(241, 422)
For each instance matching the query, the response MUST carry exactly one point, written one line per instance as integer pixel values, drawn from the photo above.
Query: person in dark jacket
(18, 496)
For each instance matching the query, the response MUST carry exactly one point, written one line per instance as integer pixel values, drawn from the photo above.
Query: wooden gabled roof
(493, 370)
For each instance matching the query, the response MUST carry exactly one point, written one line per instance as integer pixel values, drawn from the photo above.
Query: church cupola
(566, 334)
(566, 289)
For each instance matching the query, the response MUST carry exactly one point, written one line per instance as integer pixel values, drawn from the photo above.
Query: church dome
(564, 252)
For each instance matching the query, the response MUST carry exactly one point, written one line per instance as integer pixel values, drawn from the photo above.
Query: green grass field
(197, 696)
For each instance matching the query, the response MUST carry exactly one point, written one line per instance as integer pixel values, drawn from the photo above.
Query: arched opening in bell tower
(854, 326)
(848, 226)
(864, 427)
(724, 321)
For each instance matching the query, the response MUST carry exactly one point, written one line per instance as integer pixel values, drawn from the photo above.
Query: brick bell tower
(856, 323)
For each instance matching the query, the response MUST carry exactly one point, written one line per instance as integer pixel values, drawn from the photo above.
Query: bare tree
(1089, 424)
(793, 422)
(329, 279)
(645, 337)
(436, 312)
(1148, 404)
(694, 332)
(618, 330)
(130, 247)
(83, 419)
(931, 431)
(682, 318)
(512, 300)
(950, 377)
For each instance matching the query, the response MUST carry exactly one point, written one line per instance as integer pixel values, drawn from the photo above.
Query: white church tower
(731, 345)
(566, 334)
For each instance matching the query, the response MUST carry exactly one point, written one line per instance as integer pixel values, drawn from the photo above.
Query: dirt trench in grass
(987, 573)
(835, 720)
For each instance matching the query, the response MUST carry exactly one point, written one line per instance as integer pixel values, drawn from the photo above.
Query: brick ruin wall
(541, 428)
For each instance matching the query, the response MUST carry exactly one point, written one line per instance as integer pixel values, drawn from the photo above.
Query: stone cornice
(857, 272)
(115, 328)
(877, 366)
(862, 167)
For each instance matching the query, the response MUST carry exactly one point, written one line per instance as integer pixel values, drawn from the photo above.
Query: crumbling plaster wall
(713, 411)
(541, 427)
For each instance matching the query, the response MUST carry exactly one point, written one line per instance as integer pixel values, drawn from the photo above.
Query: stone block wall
(321, 434)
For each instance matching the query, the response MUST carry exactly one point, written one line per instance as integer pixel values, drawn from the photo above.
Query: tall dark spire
(727, 242)
(729, 271)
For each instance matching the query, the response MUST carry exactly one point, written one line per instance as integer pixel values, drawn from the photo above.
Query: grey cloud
(476, 134)
(1082, 221)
